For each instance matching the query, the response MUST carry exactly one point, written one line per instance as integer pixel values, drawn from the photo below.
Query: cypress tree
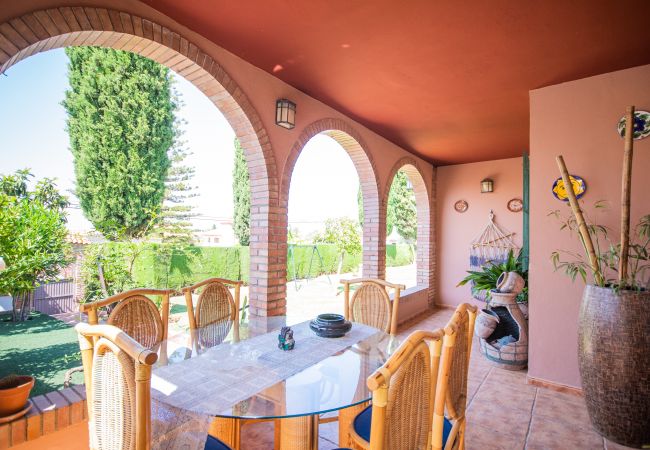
(402, 211)
(241, 197)
(121, 126)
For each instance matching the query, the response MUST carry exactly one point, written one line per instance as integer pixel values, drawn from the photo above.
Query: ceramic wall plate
(579, 187)
(641, 125)
(461, 206)
(515, 205)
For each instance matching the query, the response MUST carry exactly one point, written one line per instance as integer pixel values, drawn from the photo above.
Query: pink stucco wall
(455, 231)
(578, 120)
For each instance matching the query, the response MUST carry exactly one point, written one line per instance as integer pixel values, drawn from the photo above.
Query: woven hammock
(492, 245)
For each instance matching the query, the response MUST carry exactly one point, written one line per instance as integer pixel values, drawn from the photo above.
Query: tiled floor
(503, 411)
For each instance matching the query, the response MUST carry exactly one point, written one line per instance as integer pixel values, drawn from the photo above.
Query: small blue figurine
(285, 339)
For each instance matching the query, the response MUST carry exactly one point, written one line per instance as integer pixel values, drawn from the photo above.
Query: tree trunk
(14, 313)
(338, 271)
(20, 314)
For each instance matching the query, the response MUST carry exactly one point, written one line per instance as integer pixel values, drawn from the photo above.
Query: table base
(299, 433)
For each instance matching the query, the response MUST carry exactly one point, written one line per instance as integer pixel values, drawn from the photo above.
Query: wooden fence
(56, 298)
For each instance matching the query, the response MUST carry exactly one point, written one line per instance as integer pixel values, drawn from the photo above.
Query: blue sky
(32, 126)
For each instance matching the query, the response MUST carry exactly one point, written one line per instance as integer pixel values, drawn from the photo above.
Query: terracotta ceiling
(446, 80)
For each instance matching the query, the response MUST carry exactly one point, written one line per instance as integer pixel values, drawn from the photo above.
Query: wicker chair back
(370, 305)
(138, 316)
(113, 399)
(215, 305)
(409, 408)
(456, 401)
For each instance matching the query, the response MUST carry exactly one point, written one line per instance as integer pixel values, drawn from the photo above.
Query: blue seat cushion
(215, 444)
(362, 422)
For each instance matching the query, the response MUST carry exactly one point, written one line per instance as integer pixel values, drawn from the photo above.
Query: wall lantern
(285, 113)
(487, 185)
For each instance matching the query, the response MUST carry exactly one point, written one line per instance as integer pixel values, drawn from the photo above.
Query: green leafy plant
(32, 237)
(345, 234)
(116, 265)
(485, 280)
(575, 264)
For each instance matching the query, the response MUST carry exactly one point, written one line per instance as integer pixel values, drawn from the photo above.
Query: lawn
(43, 347)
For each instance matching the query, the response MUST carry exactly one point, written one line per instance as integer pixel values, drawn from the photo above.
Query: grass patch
(43, 347)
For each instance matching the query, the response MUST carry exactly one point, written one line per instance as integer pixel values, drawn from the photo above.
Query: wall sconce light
(487, 186)
(285, 113)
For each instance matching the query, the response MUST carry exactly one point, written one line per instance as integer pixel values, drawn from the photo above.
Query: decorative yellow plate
(579, 187)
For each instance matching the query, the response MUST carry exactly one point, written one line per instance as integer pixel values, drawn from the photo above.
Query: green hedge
(302, 255)
(155, 266)
(399, 255)
(159, 266)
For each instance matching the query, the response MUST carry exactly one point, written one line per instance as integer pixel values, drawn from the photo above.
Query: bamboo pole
(582, 225)
(625, 196)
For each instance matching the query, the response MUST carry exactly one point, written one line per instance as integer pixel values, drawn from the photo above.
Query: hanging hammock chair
(492, 245)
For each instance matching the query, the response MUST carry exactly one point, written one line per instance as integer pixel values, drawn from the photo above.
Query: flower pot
(330, 325)
(613, 343)
(14, 392)
(510, 282)
(486, 322)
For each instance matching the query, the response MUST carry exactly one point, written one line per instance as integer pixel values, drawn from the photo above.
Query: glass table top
(334, 382)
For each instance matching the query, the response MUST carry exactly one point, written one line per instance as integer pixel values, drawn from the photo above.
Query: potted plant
(486, 279)
(502, 327)
(614, 320)
(14, 392)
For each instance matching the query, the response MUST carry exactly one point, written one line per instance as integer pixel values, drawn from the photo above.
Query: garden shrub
(154, 265)
(399, 255)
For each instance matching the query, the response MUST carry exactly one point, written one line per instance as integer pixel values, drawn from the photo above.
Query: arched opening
(87, 26)
(423, 274)
(373, 236)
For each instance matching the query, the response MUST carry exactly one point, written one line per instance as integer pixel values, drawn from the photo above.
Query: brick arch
(44, 30)
(374, 233)
(424, 257)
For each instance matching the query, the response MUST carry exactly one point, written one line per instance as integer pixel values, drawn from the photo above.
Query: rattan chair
(117, 373)
(370, 303)
(136, 314)
(216, 310)
(419, 395)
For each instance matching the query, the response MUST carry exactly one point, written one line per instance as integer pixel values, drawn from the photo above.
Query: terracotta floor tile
(555, 406)
(516, 377)
(505, 421)
(501, 396)
(550, 435)
(485, 438)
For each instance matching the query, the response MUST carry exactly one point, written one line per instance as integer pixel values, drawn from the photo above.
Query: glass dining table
(236, 374)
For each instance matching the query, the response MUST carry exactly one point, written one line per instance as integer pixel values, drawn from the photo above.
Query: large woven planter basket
(614, 354)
